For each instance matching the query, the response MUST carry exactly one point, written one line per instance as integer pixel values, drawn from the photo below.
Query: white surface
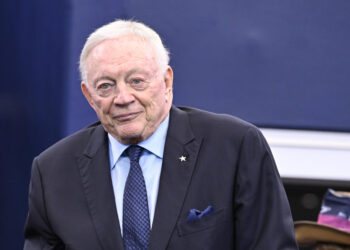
(310, 154)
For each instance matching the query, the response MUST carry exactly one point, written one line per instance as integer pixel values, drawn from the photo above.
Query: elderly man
(150, 175)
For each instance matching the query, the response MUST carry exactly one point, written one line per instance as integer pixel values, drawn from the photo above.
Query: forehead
(121, 50)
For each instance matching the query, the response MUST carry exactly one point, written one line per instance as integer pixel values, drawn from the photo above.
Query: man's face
(127, 89)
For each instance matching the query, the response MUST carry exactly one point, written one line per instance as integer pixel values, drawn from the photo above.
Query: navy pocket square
(197, 214)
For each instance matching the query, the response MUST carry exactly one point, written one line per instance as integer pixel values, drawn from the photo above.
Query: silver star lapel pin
(182, 158)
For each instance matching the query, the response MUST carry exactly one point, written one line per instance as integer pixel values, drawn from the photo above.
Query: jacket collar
(96, 179)
(175, 177)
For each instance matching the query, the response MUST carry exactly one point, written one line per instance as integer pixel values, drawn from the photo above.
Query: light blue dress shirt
(151, 164)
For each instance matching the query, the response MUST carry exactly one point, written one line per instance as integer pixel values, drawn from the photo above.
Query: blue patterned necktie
(136, 224)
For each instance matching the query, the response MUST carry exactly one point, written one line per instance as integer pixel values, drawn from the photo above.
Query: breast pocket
(204, 223)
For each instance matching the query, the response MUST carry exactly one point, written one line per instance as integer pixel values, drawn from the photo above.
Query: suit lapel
(175, 177)
(95, 174)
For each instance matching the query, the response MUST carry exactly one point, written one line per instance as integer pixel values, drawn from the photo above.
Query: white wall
(310, 154)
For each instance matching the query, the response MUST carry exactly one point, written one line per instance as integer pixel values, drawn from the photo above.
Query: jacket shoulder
(73, 144)
(208, 122)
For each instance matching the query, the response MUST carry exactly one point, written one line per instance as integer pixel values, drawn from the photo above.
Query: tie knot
(134, 153)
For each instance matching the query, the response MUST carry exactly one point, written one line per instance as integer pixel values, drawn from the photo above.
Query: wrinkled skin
(126, 87)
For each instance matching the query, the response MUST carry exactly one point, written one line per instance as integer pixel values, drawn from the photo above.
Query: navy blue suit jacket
(228, 166)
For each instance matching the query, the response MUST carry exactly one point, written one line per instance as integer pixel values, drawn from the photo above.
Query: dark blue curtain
(34, 45)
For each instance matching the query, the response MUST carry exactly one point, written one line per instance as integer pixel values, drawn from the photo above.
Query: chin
(130, 136)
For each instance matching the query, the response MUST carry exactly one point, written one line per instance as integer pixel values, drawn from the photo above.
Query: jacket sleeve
(38, 233)
(262, 215)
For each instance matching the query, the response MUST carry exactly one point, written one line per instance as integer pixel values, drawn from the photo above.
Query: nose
(124, 95)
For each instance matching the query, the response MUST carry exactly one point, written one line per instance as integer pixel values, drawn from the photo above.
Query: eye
(104, 86)
(105, 89)
(136, 81)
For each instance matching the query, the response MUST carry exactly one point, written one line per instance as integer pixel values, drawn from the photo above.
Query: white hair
(120, 28)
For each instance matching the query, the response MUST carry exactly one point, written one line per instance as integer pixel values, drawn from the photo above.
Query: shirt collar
(154, 144)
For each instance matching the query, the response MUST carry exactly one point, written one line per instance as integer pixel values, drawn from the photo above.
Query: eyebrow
(140, 71)
(102, 78)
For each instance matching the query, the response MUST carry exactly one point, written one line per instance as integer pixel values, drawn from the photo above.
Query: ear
(85, 90)
(168, 79)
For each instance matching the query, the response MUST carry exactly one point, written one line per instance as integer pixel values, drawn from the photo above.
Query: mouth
(126, 116)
